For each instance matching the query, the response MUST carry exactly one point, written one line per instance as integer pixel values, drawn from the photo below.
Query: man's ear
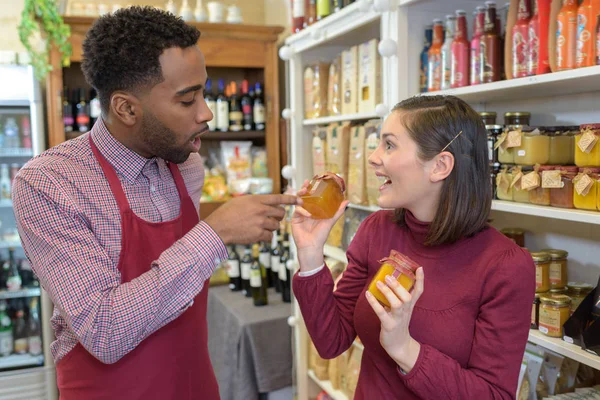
(126, 107)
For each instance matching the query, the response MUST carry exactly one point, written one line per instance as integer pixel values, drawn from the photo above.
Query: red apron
(173, 362)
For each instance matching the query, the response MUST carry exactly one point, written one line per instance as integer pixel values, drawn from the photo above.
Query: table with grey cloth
(250, 347)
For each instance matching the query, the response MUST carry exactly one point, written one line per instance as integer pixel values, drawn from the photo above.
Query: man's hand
(250, 219)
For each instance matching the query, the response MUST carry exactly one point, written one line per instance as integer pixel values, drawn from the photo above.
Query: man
(110, 219)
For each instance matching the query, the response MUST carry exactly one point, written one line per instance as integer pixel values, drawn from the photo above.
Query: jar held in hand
(324, 195)
(398, 266)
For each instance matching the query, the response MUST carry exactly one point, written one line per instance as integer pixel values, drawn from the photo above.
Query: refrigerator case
(22, 137)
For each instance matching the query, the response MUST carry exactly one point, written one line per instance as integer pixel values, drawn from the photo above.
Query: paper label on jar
(587, 141)
(555, 274)
(502, 181)
(550, 322)
(501, 142)
(521, 153)
(539, 276)
(513, 139)
(518, 174)
(530, 181)
(552, 180)
(583, 184)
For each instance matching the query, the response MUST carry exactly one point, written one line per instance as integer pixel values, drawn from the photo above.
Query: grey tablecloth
(250, 347)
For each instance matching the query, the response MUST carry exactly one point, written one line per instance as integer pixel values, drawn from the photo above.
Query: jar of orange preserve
(399, 267)
(324, 195)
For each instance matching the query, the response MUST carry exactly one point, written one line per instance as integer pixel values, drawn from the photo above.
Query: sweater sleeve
(501, 332)
(328, 314)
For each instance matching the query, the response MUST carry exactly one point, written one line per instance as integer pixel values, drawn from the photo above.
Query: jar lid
(540, 256)
(570, 169)
(589, 126)
(517, 114)
(562, 290)
(556, 254)
(578, 287)
(537, 296)
(547, 168)
(589, 170)
(487, 113)
(401, 263)
(512, 231)
(555, 299)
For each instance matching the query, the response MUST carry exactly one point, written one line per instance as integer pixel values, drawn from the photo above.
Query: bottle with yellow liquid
(324, 196)
(400, 267)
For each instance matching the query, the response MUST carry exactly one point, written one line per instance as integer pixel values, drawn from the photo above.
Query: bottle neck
(524, 11)
(438, 35)
(490, 21)
(461, 27)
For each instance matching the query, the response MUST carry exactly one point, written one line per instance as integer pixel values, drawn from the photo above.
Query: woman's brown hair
(466, 197)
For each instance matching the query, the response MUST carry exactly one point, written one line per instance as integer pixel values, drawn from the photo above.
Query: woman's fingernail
(389, 279)
(380, 285)
(369, 295)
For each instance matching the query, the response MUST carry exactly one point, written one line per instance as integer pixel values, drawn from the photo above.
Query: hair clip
(455, 137)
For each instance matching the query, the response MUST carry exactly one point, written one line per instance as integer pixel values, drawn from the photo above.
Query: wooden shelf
(326, 386)
(339, 118)
(25, 292)
(570, 82)
(217, 135)
(588, 217)
(566, 349)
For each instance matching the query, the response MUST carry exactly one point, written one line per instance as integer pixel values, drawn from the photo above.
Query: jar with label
(542, 271)
(488, 117)
(558, 268)
(554, 312)
(535, 312)
(324, 195)
(540, 195)
(563, 197)
(517, 118)
(399, 267)
(562, 144)
(517, 235)
(493, 131)
(506, 154)
(534, 148)
(587, 148)
(577, 292)
(585, 195)
(504, 190)
(520, 195)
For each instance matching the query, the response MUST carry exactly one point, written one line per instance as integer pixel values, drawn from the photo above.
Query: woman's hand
(395, 337)
(311, 234)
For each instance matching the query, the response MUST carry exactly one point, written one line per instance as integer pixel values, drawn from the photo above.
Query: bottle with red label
(490, 47)
(566, 36)
(461, 49)
(248, 116)
(26, 132)
(477, 33)
(68, 120)
(298, 14)
(520, 40)
(586, 29)
(83, 113)
(434, 81)
(533, 41)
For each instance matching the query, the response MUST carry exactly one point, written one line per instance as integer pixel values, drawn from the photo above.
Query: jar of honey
(542, 271)
(399, 267)
(488, 117)
(504, 190)
(324, 195)
(520, 195)
(589, 200)
(558, 268)
(535, 312)
(563, 197)
(554, 312)
(540, 195)
(534, 148)
(562, 144)
(577, 291)
(590, 157)
(517, 118)
(517, 235)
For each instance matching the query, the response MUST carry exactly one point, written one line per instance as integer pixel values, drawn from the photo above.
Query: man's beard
(161, 140)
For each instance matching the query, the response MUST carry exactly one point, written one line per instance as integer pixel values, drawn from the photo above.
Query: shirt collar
(125, 161)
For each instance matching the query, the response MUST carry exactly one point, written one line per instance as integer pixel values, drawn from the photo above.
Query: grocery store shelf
(589, 217)
(26, 292)
(548, 85)
(326, 386)
(568, 350)
(16, 153)
(340, 24)
(20, 361)
(6, 203)
(335, 253)
(339, 118)
(364, 208)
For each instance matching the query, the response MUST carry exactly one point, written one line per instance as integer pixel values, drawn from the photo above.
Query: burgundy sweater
(472, 320)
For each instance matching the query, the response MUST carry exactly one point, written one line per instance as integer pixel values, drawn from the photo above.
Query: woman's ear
(443, 165)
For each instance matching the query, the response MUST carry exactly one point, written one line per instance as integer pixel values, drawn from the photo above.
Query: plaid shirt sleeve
(109, 318)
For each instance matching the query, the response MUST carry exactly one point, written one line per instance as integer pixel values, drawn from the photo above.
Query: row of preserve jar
(548, 185)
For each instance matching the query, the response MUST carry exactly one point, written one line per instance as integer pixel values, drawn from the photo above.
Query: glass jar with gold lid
(591, 156)
(488, 117)
(517, 235)
(554, 312)
(577, 292)
(517, 118)
(542, 271)
(587, 200)
(558, 268)
(535, 312)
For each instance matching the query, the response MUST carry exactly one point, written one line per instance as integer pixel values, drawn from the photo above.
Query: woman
(461, 332)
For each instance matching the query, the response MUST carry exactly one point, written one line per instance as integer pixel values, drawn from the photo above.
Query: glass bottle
(233, 270)
(490, 47)
(424, 58)
(311, 13)
(323, 9)
(83, 112)
(434, 59)
(475, 44)
(533, 40)
(247, 106)
(298, 14)
(236, 116)
(26, 131)
(520, 39)
(13, 281)
(586, 24)
(211, 103)
(276, 251)
(5, 186)
(34, 329)
(258, 279)
(68, 119)
(265, 259)
(259, 108)
(460, 48)
(6, 331)
(447, 51)
(284, 273)
(245, 265)
(566, 36)
(95, 109)
(222, 115)
(11, 134)
(20, 331)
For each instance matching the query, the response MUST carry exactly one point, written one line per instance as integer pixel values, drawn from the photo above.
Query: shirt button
(152, 188)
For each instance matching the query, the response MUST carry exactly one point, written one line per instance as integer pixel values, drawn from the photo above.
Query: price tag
(583, 184)
(513, 139)
(587, 141)
(530, 181)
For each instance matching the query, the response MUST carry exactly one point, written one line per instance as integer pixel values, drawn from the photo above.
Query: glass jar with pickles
(563, 197)
(577, 291)
(324, 196)
(587, 146)
(542, 271)
(399, 267)
(585, 195)
(562, 144)
(558, 268)
(554, 312)
(534, 148)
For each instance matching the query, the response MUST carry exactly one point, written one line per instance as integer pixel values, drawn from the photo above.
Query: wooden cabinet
(231, 51)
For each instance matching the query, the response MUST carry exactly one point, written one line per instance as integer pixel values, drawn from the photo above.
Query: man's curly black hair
(121, 50)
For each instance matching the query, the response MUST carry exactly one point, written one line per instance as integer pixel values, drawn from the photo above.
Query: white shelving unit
(326, 386)
(339, 118)
(21, 360)
(564, 98)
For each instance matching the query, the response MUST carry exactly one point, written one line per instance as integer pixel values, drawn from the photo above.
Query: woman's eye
(388, 145)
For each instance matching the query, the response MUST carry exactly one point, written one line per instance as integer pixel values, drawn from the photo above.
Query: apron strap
(111, 176)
